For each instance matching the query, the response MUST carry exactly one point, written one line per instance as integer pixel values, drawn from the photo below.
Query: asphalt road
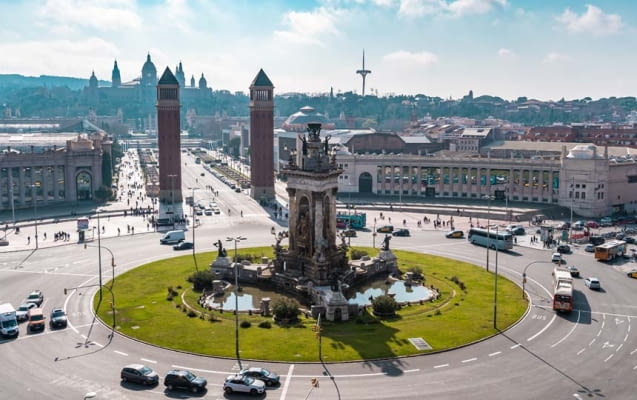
(590, 353)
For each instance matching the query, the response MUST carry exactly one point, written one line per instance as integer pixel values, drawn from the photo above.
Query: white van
(173, 237)
(8, 322)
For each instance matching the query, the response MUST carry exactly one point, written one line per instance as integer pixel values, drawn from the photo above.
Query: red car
(592, 224)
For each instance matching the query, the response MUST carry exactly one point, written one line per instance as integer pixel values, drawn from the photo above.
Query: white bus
(500, 240)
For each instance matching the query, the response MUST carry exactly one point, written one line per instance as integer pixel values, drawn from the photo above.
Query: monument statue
(386, 243)
(221, 250)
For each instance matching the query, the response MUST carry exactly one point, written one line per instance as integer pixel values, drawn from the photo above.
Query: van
(36, 320)
(172, 237)
(8, 321)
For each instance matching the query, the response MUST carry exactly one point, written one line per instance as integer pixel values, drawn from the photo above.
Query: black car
(186, 380)
(138, 373)
(349, 233)
(629, 239)
(183, 246)
(563, 249)
(401, 232)
(58, 318)
(268, 377)
(596, 240)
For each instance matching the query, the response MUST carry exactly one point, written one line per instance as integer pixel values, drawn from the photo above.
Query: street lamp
(35, 210)
(236, 294)
(488, 223)
(495, 286)
(194, 222)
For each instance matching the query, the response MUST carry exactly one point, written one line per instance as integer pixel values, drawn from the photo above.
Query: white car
(590, 248)
(244, 384)
(592, 283)
(22, 313)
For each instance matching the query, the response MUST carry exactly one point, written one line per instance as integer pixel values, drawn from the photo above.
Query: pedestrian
(44, 235)
(28, 239)
(132, 229)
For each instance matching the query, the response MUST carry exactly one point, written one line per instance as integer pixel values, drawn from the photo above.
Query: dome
(149, 67)
(583, 152)
(93, 80)
(202, 82)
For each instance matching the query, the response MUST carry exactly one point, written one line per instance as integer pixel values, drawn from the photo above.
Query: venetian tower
(312, 187)
(168, 131)
(262, 138)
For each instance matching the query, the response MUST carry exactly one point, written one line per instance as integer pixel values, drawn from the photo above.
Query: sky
(543, 49)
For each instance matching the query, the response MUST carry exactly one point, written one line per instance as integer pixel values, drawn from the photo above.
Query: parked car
(573, 271)
(36, 297)
(245, 384)
(268, 377)
(590, 248)
(401, 232)
(563, 249)
(36, 320)
(138, 373)
(592, 283)
(632, 273)
(22, 313)
(606, 221)
(592, 224)
(208, 211)
(385, 229)
(517, 231)
(349, 233)
(58, 318)
(596, 240)
(457, 234)
(186, 380)
(629, 239)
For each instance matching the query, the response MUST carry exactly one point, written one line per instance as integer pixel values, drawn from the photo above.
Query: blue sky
(544, 49)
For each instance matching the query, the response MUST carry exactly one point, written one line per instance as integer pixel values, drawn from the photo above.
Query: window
(583, 195)
(632, 178)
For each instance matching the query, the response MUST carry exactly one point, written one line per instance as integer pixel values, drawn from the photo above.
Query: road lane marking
(515, 346)
(619, 347)
(286, 385)
(121, 353)
(543, 329)
(441, 366)
(609, 357)
(570, 332)
(495, 354)
(599, 333)
(149, 361)
(633, 352)
(580, 352)
(592, 341)
(626, 337)
(469, 360)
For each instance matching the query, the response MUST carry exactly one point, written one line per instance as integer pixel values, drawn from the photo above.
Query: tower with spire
(363, 72)
(179, 74)
(262, 138)
(116, 79)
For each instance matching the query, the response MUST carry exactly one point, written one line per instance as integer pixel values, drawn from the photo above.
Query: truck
(8, 321)
(562, 290)
(610, 250)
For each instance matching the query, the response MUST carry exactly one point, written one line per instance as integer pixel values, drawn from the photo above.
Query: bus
(355, 221)
(499, 240)
(562, 290)
(609, 250)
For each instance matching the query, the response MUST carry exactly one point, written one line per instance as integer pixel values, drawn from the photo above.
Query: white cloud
(65, 15)
(465, 7)
(593, 21)
(506, 53)
(407, 58)
(308, 27)
(418, 8)
(555, 58)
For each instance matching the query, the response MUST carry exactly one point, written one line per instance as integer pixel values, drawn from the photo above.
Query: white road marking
(411, 370)
(619, 347)
(592, 341)
(441, 366)
(619, 321)
(469, 360)
(569, 333)
(543, 329)
(609, 357)
(495, 354)
(626, 337)
(149, 361)
(603, 322)
(599, 333)
(515, 346)
(286, 385)
(580, 352)
(121, 353)
(607, 344)
(633, 352)
(635, 367)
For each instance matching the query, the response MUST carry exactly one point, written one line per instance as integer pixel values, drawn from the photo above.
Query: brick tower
(262, 138)
(168, 131)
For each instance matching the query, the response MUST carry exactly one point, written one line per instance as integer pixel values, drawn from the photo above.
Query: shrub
(245, 324)
(265, 324)
(384, 305)
(357, 254)
(417, 273)
(285, 309)
(201, 280)
(191, 313)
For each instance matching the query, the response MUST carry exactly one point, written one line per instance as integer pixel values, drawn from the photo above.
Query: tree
(384, 305)
(201, 280)
(285, 309)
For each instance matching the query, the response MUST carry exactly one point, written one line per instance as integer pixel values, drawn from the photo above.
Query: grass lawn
(456, 318)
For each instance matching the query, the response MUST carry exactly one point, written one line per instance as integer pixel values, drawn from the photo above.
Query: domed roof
(304, 116)
(93, 79)
(583, 152)
(202, 82)
(149, 67)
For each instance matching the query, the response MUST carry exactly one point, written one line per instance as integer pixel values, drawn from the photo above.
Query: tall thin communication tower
(363, 72)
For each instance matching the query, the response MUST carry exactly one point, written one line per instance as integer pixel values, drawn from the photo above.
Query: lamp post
(172, 196)
(374, 235)
(495, 286)
(34, 193)
(572, 194)
(194, 222)
(236, 295)
(488, 224)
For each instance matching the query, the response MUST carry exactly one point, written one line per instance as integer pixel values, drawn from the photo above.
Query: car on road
(573, 271)
(4, 242)
(457, 234)
(244, 384)
(36, 320)
(199, 211)
(401, 232)
(592, 224)
(516, 230)
(58, 318)
(557, 258)
(203, 174)
(216, 211)
(385, 229)
(632, 273)
(268, 377)
(629, 239)
(186, 380)
(138, 373)
(606, 221)
(592, 283)
(208, 211)
(349, 233)
(36, 297)
(183, 246)
(590, 248)
(22, 313)
(563, 249)
(596, 240)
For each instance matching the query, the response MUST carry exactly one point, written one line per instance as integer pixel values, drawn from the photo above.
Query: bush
(357, 254)
(417, 273)
(285, 309)
(245, 324)
(201, 280)
(265, 324)
(384, 305)
(191, 313)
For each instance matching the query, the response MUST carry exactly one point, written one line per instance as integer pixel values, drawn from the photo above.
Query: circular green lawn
(144, 310)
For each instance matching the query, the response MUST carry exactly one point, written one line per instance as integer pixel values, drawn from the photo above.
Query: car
(517, 231)
(138, 373)
(36, 320)
(573, 271)
(590, 248)
(385, 229)
(592, 283)
(592, 224)
(556, 258)
(203, 174)
(22, 313)
(596, 240)
(268, 377)
(349, 233)
(182, 379)
(237, 189)
(216, 211)
(629, 239)
(183, 246)
(401, 232)
(632, 273)
(199, 211)
(58, 318)
(563, 249)
(245, 384)
(4, 242)
(36, 297)
(208, 211)
(457, 234)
